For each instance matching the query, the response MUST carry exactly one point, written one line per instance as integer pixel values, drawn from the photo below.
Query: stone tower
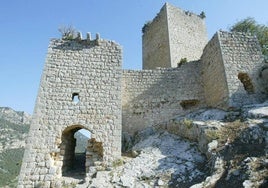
(231, 70)
(173, 34)
(80, 89)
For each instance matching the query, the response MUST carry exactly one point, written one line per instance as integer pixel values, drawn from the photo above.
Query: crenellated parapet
(88, 40)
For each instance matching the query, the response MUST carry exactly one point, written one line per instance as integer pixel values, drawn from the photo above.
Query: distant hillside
(14, 126)
(81, 142)
(17, 117)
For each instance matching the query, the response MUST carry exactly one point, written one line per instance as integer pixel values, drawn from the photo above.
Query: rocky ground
(162, 159)
(207, 148)
(158, 158)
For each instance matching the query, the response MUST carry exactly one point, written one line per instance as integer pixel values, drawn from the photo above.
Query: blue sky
(28, 25)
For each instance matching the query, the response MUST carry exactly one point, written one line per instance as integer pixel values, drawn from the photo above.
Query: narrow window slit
(75, 98)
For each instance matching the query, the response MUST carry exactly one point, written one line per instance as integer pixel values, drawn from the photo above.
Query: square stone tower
(80, 89)
(231, 67)
(173, 35)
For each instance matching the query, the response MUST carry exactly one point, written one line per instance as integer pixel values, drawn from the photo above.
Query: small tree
(68, 32)
(202, 15)
(249, 25)
(182, 61)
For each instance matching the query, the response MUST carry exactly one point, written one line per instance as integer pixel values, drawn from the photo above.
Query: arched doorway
(80, 152)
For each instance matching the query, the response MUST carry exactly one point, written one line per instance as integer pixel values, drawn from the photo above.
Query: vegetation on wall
(68, 32)
(249, 25)
(182, 61)
(202, 15)
(145, 26)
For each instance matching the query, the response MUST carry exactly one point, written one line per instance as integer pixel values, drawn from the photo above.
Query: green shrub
(182, 61)
(118, 162)
(202, 15)
(188, 123)
(145, 26)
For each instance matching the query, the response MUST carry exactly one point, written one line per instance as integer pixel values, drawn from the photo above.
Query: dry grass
(227, 133)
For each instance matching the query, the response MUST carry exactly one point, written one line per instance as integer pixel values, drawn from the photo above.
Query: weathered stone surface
(159, 161)
(165, 44)
(212, 145)
(243, 62)
(80, 88)
(257, 111)
(226, 56)
(154, 96)
(83, 86)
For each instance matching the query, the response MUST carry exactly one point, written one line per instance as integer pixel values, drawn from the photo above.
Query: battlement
(85, 41)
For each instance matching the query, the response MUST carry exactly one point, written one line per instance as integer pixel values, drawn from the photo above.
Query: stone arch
(79, 164)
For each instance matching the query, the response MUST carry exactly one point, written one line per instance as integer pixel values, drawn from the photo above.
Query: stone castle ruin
(83, 86)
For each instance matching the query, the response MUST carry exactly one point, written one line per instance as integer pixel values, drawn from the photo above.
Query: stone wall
(213, 75)
(187, 35)
(150, 97)
(231, 69)
(172, 35)
(243, 62)
(80, 88)
(155, 42)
